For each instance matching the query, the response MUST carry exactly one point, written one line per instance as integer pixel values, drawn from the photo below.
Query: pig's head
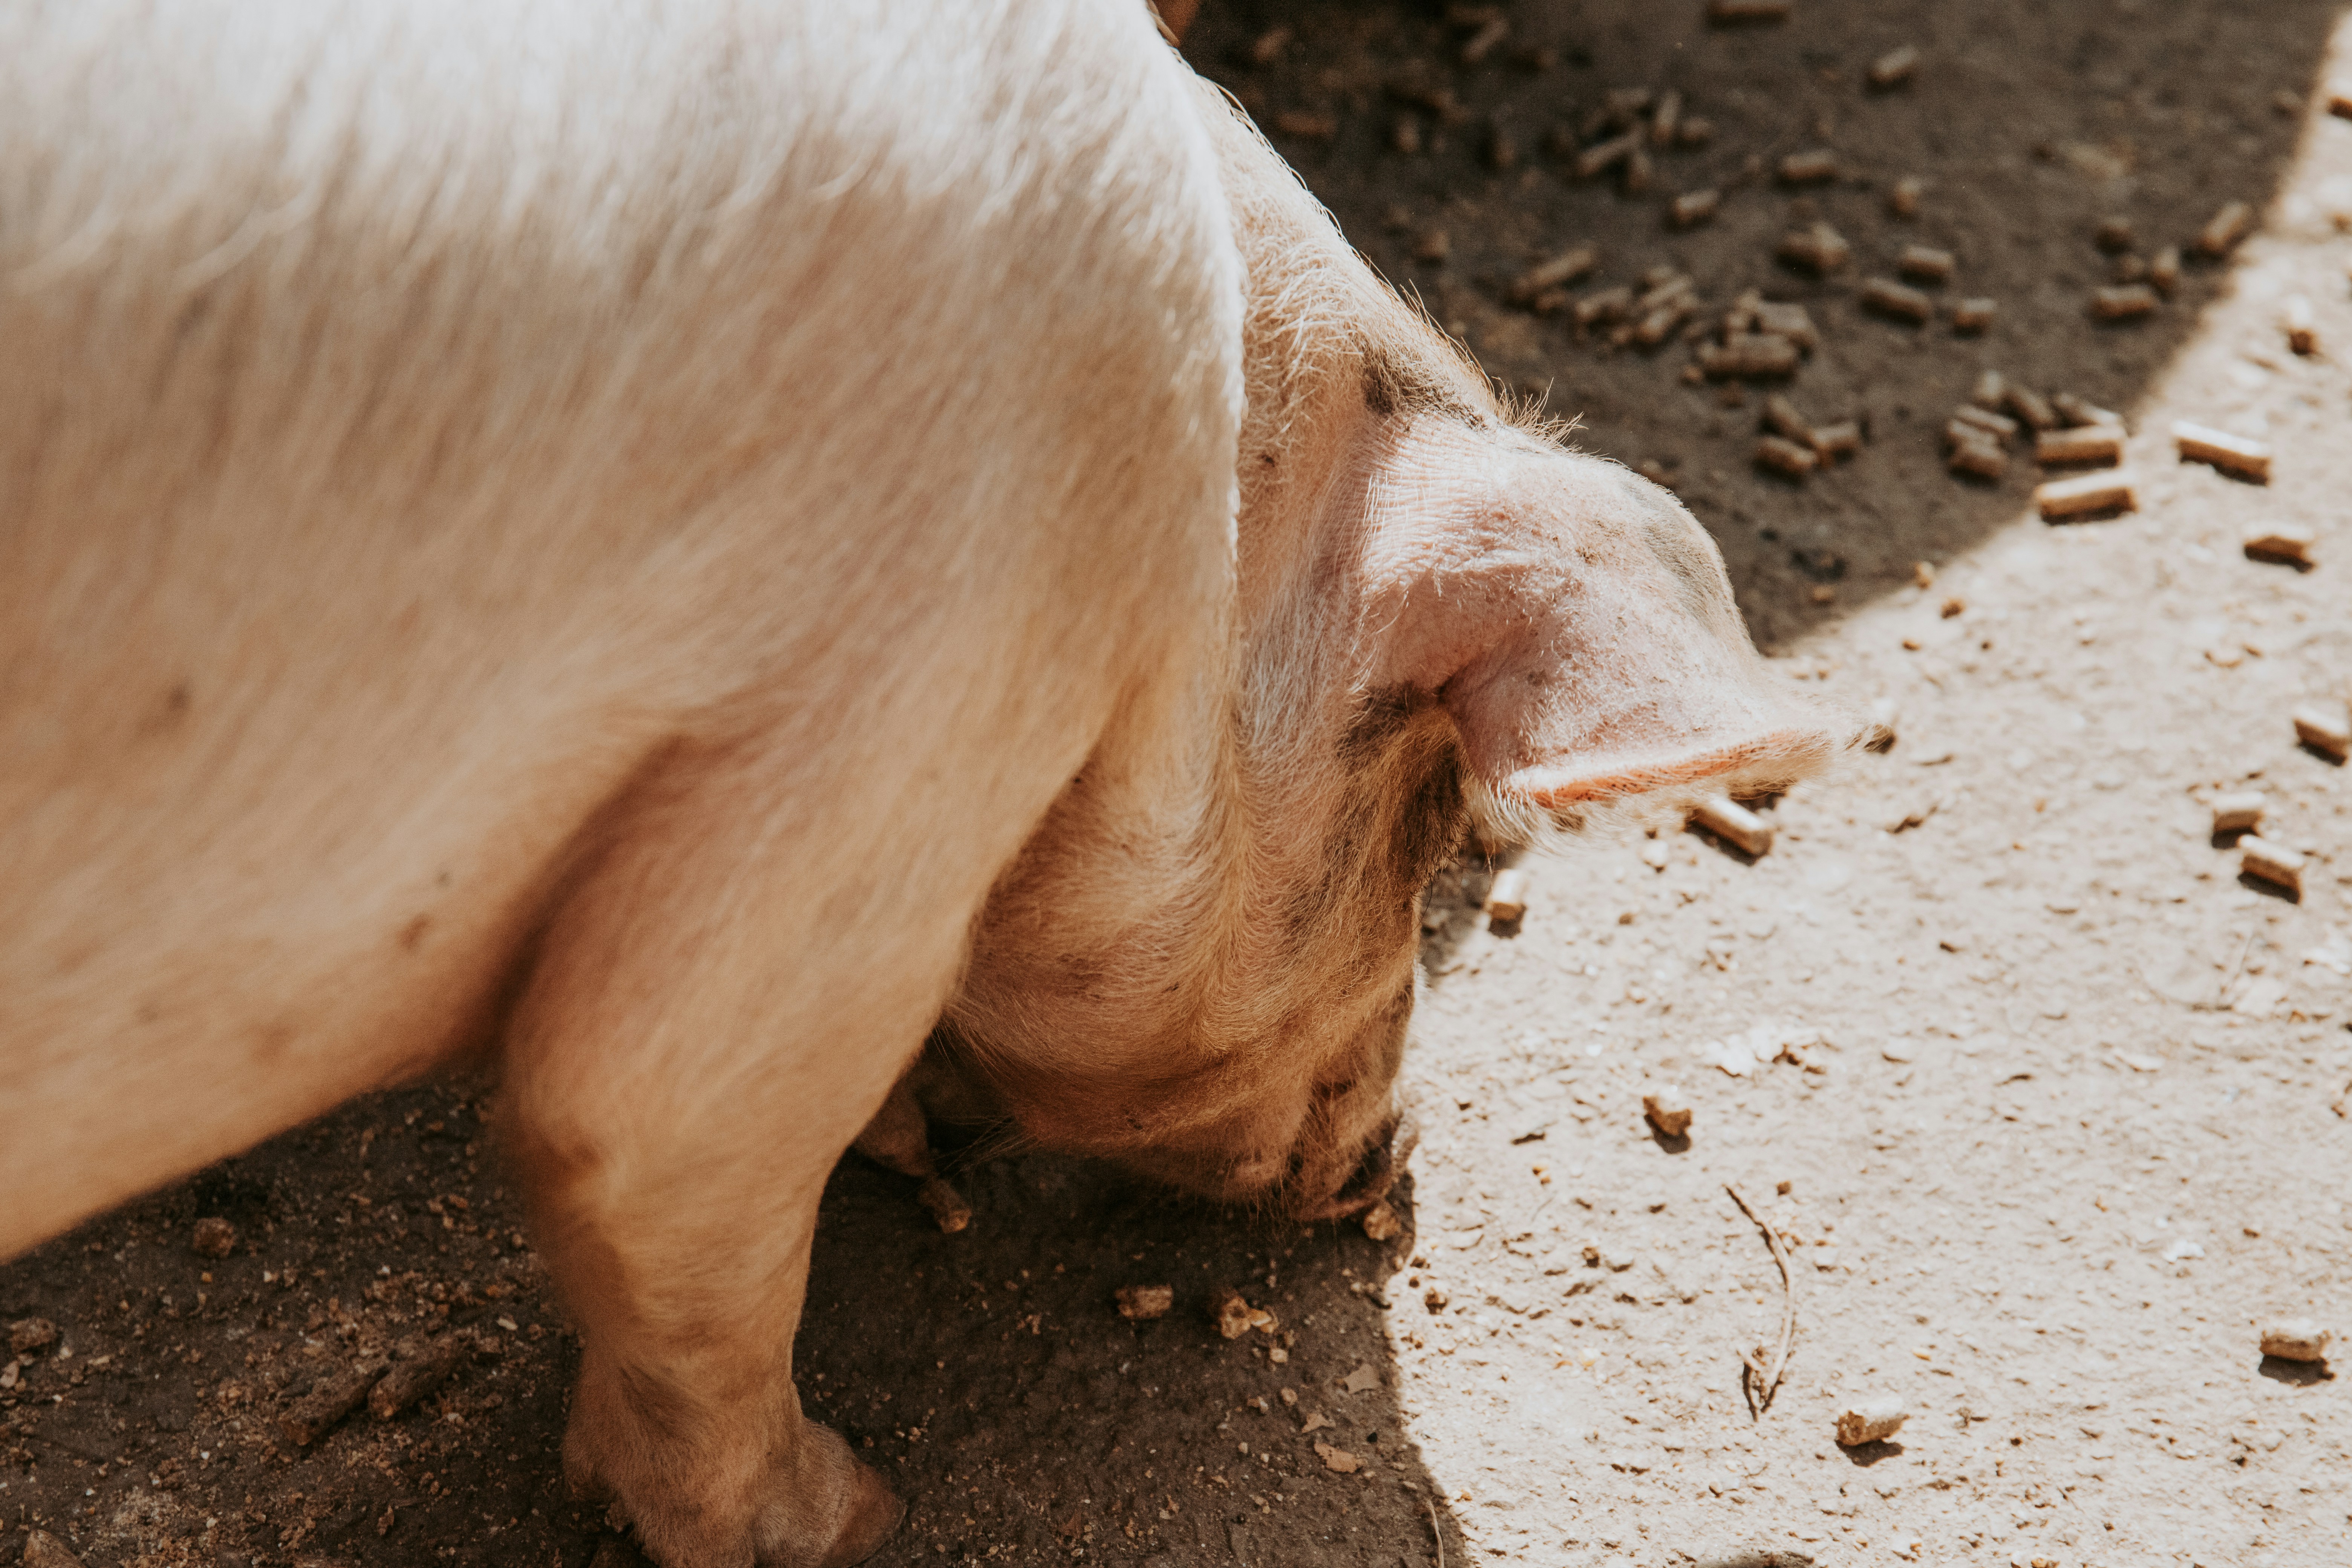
(1202, 964)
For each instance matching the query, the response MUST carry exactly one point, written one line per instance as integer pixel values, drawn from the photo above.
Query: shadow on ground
(2029, 123)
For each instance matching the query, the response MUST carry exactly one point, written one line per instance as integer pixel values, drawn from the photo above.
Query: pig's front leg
(683, 1070)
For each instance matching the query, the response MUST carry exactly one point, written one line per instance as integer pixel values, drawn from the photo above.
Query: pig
(780, 571)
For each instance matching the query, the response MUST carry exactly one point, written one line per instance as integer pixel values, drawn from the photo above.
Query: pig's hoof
(946, 1204)
(815, 1507)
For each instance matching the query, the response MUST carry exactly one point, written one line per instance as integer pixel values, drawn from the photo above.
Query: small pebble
(43, 1550)
(2113, 489)
(212, 1238)
(1894, 66)
(2291, 1339)
(2223, 232)
(2323, 729)
(1235, 1317)
(1668, 1110)
(1141, 1303)
(2238, 454)
(1734, 824)
(29, 1335)
(1381, 1223)
(2122, 304)
(2282, 542)
(2273, 863)
(1872, 1421)
(2239, 812)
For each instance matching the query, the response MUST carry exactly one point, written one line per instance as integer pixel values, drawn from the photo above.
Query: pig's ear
(1615, 663)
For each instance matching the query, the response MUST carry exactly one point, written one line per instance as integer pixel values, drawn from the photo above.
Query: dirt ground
(2059, 1112)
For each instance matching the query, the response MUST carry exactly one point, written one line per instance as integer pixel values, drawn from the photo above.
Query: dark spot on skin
(412, 936)
(1394, 386)
(1405, 816)
(170, 711)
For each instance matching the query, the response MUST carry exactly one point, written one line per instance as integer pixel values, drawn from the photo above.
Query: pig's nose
(1375, 1172)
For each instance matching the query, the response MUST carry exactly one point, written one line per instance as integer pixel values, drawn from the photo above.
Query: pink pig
(698, 546)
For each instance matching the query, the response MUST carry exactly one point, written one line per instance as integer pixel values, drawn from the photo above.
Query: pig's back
(424, 421)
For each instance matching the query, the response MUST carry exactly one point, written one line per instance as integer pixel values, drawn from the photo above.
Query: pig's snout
(1368, 1177)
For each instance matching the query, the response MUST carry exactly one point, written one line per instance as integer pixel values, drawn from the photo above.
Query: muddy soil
(2046, 1102)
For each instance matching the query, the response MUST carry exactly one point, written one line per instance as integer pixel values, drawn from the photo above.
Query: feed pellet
(2122, 303)
(2110, 490)
(2324, 728)
(1693, 208)
(1925, 262)
(2275, 863)
(2239, 811)
(1810, 167)
(2225, 229)
(2238, 454)
(1902, 200)
(1894, 66)
(1819, 249)
(1871, 1421)
(2296, 1338)
(2289, 542)
(1786, 456)
(1506, 900)
(1883, 294)
(2093, 443)
(1734, 824)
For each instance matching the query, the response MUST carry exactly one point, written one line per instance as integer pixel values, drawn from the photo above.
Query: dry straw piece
(2239, 454)
(2110, 490)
